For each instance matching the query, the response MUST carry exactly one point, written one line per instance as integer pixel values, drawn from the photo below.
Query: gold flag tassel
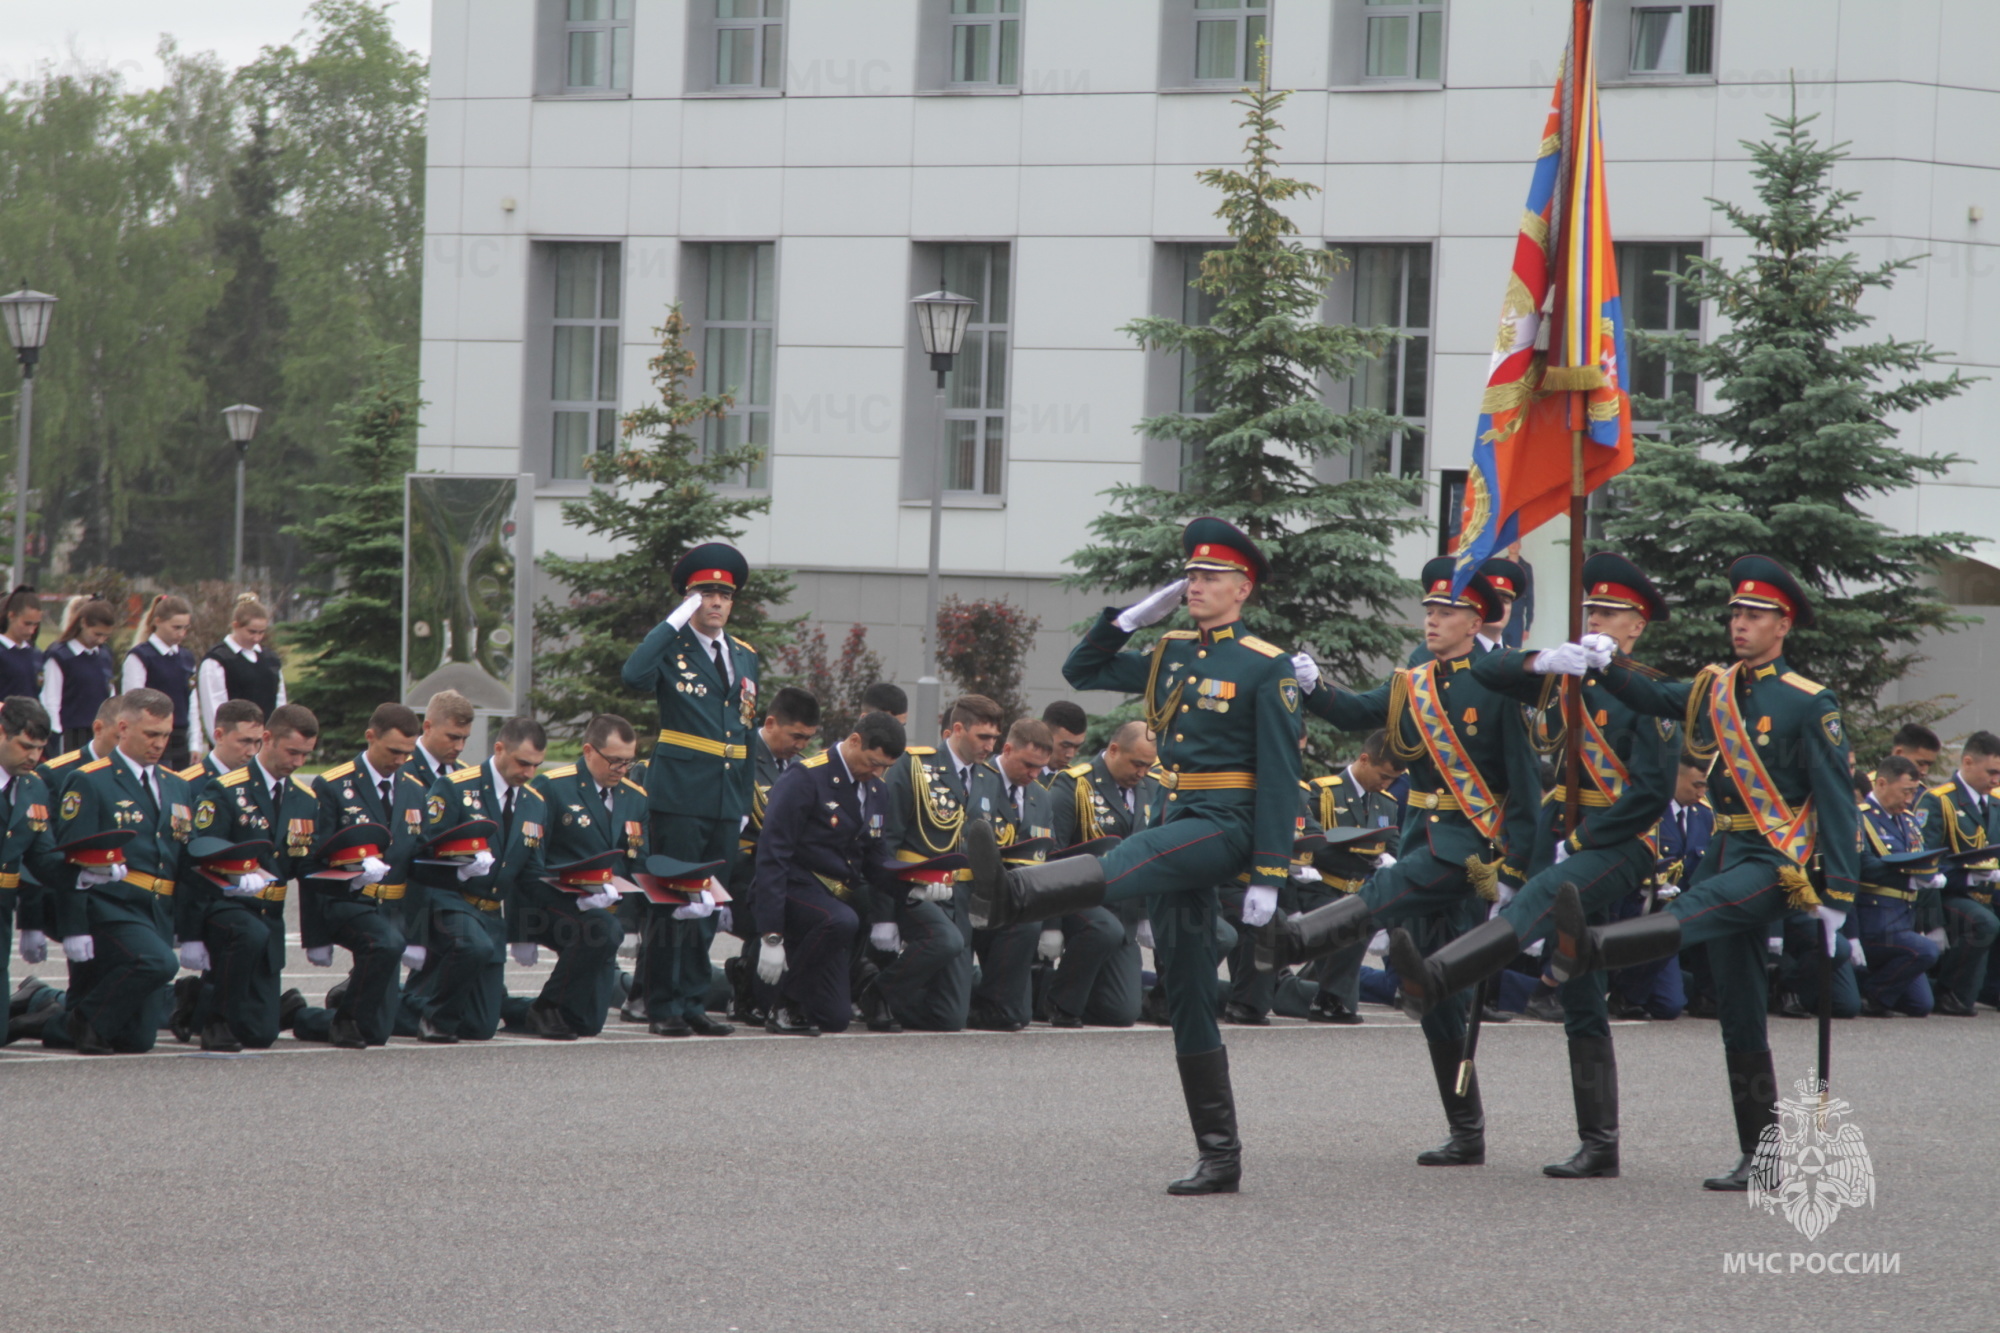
(1799, 894)
(1485, 877)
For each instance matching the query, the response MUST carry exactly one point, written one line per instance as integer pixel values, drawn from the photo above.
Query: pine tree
(655, 499)
(1260, 363)
(1799, 440)
(358, 547)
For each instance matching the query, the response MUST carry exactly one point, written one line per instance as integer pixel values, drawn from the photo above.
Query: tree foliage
(1257, 459)
(656, 497)
(983, 647)
(839, 683)
(1800, 437)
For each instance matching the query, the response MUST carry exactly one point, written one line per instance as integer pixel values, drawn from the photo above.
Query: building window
(1673, 39)
(1405, 40)
(749, 43)
(986, 43)
(1197, 311)
(1226, 34)
(583, 387)
(738, 321)
(1451, 508)
(1652, 303)
(597, 46)
(1392, 289)
(975, 454)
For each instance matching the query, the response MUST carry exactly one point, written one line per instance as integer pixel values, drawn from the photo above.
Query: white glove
(194, 956)
(320, 955)
(683, 613)
(1937, 881)
(1378, 942)
(1535, 950)
(1666, 893)
(1155, 607)
(884, 937)
(250, 885)
(1562, 851)
(1856, 954)
(524, 954)
(1260, 904)
(1384, 861)
(700, 907)
(1936, 936)
(1306, 671)
(1599, 649)
(34, 946)
(725, 920)
(771, 963)
(414, 955)
(598, 902)
(1835, 919)
(1143, 933)
(1976, 877)
(373, 871)
(479, 865)
(1507, 892)
(1049, 947)
(1775, 946)
(931, 893)
(79, 948)
(1565, 659)
(1306, 875)
(90, 879)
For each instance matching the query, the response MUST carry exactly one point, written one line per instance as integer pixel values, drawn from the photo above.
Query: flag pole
(1573, 686)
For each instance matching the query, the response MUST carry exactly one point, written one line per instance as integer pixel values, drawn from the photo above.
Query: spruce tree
(1260, 362)
(1798, 440)
(358, 548)
(655, 498)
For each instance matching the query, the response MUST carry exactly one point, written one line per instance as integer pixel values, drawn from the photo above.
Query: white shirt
(132, 676)
(860, 792)
(211, 689)
(144, 774)
(438, 766)
(1978, 797)
(376, 780)
(7, 642)
(708, 643)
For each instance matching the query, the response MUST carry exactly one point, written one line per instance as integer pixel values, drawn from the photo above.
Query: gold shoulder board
(1181, 634)
(824, 755)
(304, 784)
(919, 749)
(235, 777)
(633, 785)
(339, 770)
(97, 764)
(187, 774)
(463, 776)
(1077, 770)
(1798, 682)
(562, 771)
(1257, 645)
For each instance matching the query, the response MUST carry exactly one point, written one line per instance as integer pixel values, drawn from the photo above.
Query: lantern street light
(27, 316)
(941, 320)
(242, 420)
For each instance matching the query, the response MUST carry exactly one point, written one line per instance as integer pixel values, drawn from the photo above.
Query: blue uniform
(1885, 917)
(1659, 987)
(1955, 818)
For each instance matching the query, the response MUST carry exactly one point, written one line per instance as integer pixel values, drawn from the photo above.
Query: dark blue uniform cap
(715, 563)
(1212, 543)
(1758, 580)
(1478, 594)
(1611, 581)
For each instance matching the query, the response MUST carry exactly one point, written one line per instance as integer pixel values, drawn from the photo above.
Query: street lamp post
(27, 316)
(941, 320)
(242, 420)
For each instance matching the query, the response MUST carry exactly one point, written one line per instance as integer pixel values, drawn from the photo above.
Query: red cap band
(1208, 554)
(701, 576)
(354, 856)
(928, 876)
(585, 878)
(461, 847)
(102, 856)
(1617, 594)
(231, 867)
(1758, 593)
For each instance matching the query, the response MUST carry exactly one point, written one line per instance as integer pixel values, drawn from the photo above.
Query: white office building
(792, 172)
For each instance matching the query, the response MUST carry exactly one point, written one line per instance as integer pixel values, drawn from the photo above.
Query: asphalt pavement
(963, 1182)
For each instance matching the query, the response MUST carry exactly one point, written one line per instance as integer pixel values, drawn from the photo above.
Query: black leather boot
(1593, 1082)
(1426, 983)
(1465, 1115)
(1001, 896)
(1212, 1111)
(180, 1022)
(1582, 948)
(1753, 1095)
(1322, 931)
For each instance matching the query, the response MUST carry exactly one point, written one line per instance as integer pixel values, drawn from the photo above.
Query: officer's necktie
(604, 795)
(385, 798)
(1014, 799)
(721, 667)
(1681, 818)
(507, 812)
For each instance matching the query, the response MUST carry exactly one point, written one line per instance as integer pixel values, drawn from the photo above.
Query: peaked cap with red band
(1478, 594)
(1758, 580)
(711, 564)
(1507, 577)
(1212, 543)
(1611, 582)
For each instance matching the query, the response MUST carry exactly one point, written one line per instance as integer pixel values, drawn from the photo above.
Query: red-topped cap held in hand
(462, 842)
(96, 851)
(590, 876)
(938, 870)
(669, 882)
(222, 862)
(1027, 851)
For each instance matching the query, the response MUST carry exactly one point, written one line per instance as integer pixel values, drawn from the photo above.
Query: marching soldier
(229, 911)
(569, 815)
(122, 823)
(367, 901)
(25, 841)
(1225, 706)
(1961, 816)
(1097, 978)
(1782, 800)
(1004, 999)
(1356, 797)
(1506, 578)
(159, 660)
(1894, 865)
(1469, 825)
(700, 783)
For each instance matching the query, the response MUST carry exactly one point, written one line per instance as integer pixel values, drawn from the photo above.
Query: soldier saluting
(1225, 707)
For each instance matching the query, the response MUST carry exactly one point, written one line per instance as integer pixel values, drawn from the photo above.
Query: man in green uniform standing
(699, 784)
(1630, 764)
(1784, 803)
(1225, 707)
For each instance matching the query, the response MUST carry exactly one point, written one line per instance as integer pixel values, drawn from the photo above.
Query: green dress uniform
(929, 985)
(121, 994)
(1098, 980)
(700, 782)
(461, 988)
(749, 997)
(245, 933)
(197, 775)
(1003, 998)
(1338, 801)
(564, 818)
(27, 853)
(373, 922)
(1955, 818)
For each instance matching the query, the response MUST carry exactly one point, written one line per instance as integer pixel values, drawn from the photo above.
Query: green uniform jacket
(701, 766)
(1488, 728)
(1950, 820)
(1648, 747)
(559, 818)
(236, 809)
(743, 874)
(927, 809)
(347, 797)
(1234, 709)
(1803, 748)
(1102, 812)
(458, 798)
(104, 794)
(28, 856)
(1339, 803)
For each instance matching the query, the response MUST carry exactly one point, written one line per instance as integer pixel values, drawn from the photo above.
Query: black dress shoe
(704, 1026)
(1059, 1019)
(345, 1033)
(1544, 1005)
(335, 994)
(670, 1027)
(1949, 1003)
(1623, 1008)
(1874, 1008)
(547, 1022)
(84, 1037)
(785, 1022)
(217, 1037)
(1785, 1004)
(28, 996)
(1493, 1013)
(986, 1018)
(289, 1005)
(187, 994)
(633, 1010)
(430, 1032)
(1153, 1009)
(875, 1011)
(1737, 1179)
(1244, 1015)
(1331, 1009)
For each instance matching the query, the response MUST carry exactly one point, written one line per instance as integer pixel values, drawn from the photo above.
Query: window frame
(611, 27)
(538, 443)
(1687, 248)
(757, 477)
(763, 25)
(1620, 34)
(1414, 10)
(922, 448)
(996, 20)
(1347, 293)
(1240, 16)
